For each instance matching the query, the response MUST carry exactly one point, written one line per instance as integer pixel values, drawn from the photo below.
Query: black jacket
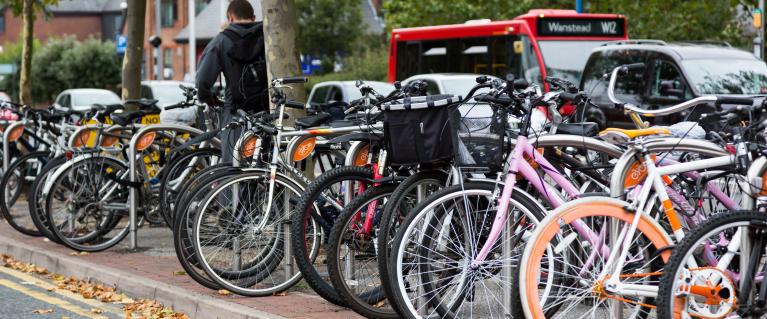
(214, 60)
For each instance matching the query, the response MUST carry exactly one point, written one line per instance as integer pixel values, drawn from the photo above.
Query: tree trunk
(27, 34)
(134, 51)
(280, 36)
(281, 33)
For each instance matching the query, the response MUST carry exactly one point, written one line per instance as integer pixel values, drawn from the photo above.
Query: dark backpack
(248, 81)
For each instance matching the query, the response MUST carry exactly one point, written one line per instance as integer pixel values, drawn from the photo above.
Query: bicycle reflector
(14, 135)
(145, 140)
(361, 158)
(304, 149)
(108, 140)
(81, 139)
(249, 147)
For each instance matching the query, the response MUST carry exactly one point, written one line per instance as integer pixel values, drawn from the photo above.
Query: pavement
(151, 272)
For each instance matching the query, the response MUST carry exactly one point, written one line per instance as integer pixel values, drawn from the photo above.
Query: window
(480, 55)
(2, 21)
(336, 94)
(320, 96)
(168, 61)
(200, 5)
(668, 82)
(168, 13)
(628, 88)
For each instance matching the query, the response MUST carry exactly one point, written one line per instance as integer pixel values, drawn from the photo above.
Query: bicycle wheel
(431, 259)
(36, 200)
(408, 194)
(177, 172)
(576, 238)
(87, 209)
(710, 287)
(315, 213)
(352, 254)
(17, 185)
(240, 235)
(193, 193)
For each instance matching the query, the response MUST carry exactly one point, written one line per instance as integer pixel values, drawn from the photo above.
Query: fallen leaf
(51, 289)
(280, 294)
(83, 253)
(179, 273)
(97, 311)
(74, 253)
(380, 304)
(42, 311)
(46, 239)
(224, 292)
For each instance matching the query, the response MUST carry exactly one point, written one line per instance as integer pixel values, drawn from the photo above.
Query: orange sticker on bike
(361, 158)
(15, 133)
(304, 149)
(145, 140)
(249, 147)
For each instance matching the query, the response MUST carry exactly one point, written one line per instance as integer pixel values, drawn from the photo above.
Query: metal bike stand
(6, 147)
(132, 198)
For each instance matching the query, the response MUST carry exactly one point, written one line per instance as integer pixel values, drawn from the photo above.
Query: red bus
(560, 40)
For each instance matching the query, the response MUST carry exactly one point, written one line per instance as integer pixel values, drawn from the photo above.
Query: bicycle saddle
(313, 120)
(125, 118)
(617, 135)
(589, 129)
(143, 103)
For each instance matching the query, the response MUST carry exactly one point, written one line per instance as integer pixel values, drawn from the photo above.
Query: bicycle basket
(478, 131)
(417, 130)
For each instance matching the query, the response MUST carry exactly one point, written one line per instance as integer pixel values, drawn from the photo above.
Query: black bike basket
(478, 131)
(417, 129)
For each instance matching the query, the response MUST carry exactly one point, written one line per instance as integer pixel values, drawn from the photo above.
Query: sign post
(758, 23)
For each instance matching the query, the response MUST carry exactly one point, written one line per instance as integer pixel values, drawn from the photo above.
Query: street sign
(7, 69)
(122, 44)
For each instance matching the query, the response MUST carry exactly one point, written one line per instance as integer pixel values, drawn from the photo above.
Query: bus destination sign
(570, 27)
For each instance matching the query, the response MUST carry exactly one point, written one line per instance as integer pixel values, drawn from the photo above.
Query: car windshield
(727, 76)
(82, 100)
(566, 59)
(167, 94)
(380, 88)
(460, 86)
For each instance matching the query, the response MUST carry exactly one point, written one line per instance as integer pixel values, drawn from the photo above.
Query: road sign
(122, 44)
(7, 69)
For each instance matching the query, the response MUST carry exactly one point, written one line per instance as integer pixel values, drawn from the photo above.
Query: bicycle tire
(392, 211)
(167, 197)
(4, 204)
(304, 261)
(681, 253)
(36, 199)
(399, 286)
(105, 226)
(364, 303)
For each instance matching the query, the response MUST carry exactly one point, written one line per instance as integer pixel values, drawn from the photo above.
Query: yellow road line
(48, 299)
(66, 293)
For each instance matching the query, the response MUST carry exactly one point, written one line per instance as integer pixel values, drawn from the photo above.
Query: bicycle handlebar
(292, 80)
(295, 104)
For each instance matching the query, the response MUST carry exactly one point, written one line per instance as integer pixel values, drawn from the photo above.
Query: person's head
(240, 11)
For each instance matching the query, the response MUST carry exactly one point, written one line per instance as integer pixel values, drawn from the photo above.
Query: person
(238, 53)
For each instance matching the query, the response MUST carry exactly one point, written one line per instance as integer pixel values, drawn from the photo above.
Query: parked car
(446, 83)
(83, 99)
(168, 93)
(165, 92)
(674, 72)
(343, 91)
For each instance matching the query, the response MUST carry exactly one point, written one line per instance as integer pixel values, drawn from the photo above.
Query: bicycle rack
(132, 197)
(6, 147)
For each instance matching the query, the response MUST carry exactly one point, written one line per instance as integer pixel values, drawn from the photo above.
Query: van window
(320, 95)
(667, 82)
(628, 88)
